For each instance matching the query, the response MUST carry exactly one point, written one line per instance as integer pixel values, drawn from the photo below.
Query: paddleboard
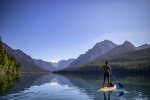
(106, 89)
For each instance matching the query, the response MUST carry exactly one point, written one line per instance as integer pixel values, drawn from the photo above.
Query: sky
(60, 29)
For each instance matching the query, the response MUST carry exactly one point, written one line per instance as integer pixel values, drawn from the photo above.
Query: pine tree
(3, 55)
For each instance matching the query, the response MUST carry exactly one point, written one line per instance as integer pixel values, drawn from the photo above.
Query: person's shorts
(106, 75)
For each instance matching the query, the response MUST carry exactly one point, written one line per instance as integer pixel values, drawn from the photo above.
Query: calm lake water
(75, 87)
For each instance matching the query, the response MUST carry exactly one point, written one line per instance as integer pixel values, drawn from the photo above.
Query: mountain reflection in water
(75, 87)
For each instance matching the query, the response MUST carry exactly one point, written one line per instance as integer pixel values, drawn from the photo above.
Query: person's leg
(104, 80)
(108, 78)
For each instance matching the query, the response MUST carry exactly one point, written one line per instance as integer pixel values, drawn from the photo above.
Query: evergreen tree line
(8, 64)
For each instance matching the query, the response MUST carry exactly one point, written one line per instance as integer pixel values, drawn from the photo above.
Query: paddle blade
(120, 85)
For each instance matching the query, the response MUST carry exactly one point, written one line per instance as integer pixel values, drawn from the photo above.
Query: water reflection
(106, 97)
(75, 87)
(7, 82)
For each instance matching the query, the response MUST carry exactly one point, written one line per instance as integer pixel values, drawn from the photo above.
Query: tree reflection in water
(7, 82)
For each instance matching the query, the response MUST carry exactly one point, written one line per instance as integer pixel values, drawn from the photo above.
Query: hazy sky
(62, 29)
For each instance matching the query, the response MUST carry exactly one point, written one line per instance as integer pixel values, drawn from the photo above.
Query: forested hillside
(7, 62)
(131, 62)
(26, 62)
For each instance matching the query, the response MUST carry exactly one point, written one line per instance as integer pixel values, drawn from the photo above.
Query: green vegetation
(9, 70)
(7, 82)
(131, 62)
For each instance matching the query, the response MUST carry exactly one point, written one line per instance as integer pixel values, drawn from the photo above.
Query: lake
(75, 87)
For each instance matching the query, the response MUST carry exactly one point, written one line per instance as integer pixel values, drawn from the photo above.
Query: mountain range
(99, 51)
(135, 62)
(105, 48)
(28, 64)
(50, 66)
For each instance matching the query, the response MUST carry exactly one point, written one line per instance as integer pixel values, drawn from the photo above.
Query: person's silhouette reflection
(106, 97)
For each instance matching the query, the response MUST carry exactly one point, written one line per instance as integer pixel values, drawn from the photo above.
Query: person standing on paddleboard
(107, 72)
